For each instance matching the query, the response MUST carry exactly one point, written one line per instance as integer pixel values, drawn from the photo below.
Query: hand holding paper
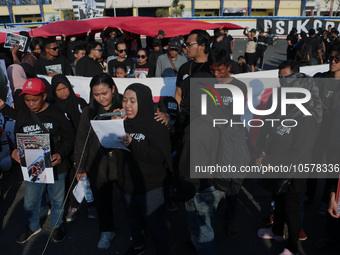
(108, 133)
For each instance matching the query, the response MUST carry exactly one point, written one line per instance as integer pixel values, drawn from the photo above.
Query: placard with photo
(12, 39)
(35, 157)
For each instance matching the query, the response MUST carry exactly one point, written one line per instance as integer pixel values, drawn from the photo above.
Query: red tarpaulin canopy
(139, 25)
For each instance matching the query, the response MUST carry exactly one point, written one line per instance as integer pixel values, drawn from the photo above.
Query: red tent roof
(139, 25)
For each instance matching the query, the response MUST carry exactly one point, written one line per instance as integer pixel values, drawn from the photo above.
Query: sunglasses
(121, 51)
(98, 49)
(335, 59)
(54, 48)
(141, 56)
(113, 34)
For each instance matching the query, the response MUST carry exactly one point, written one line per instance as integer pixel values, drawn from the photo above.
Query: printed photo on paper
(35, 157)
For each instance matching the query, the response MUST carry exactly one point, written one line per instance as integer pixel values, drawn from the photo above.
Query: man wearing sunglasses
(122, 59)
(50, 62)
(88, 66)
(110, 38)
(169, 63)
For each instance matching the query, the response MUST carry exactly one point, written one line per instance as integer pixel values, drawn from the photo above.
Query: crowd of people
(154, 173)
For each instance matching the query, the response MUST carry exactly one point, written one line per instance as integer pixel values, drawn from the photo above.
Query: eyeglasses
(121, 51)
(141, 56)
(190, 44)
(113, 34)
(54, 48)
(98, 50)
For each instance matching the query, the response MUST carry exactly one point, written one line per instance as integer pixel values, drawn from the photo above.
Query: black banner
(283, 27)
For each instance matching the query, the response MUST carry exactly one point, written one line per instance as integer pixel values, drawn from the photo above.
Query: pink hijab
(16, 76)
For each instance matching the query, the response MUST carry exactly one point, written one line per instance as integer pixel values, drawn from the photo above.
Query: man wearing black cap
(168, 64)
(157, 51)
(250, 54)
(159, 37)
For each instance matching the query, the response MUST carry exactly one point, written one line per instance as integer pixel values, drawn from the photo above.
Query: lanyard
(173, 66)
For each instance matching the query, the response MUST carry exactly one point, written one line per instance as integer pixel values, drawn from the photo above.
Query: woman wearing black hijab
(66, 100)
(142, 172)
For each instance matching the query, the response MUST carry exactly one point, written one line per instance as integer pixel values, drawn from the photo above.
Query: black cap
(156, 43)
(161, 32)
(218, 34)
(253, 30)
(261, 31)
(175, 43)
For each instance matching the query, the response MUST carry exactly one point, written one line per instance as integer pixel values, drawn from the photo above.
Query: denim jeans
(201, 212)
(147, 209)
(32, 201)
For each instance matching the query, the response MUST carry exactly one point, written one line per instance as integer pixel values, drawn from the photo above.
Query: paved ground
(83, 234)
(274, 55)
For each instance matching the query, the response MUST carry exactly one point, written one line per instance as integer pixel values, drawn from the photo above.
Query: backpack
(233, 150)
(306, 51)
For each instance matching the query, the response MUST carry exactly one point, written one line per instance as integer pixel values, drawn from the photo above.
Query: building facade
(28, 11)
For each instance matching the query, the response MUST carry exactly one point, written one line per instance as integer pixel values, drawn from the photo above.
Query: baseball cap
(261, 31)
(33, 87)
(175, 44)
(156, 43)
(161, 32)
(253, 30)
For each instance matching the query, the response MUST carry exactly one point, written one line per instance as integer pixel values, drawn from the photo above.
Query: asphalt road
(274, 55)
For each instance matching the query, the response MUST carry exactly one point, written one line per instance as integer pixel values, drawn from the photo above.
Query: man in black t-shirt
(315, 48)
(122, 58)
(50, 63)
(88, 66)
(262, 44)
(197, 45)
(59, 128)
(220, 65)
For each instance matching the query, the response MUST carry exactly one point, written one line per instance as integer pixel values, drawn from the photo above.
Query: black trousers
(288, 210)
(103, 193)
(260, 55)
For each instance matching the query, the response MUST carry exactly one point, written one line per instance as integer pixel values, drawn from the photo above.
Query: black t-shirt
(262, 43)
(227, 97)
(128, 62)
(293, 39)
(315, 45)
(59, 128)
(189, 68)
(146, 70)
(88, 67)
(59, 64)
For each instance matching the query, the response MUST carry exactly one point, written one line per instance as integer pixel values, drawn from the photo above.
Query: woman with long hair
(94, 161)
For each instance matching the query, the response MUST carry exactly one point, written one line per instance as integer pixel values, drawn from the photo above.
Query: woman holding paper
(94, 160)
(143, 171)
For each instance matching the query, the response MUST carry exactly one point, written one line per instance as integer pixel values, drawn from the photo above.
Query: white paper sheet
(108, 132)
(79, 191)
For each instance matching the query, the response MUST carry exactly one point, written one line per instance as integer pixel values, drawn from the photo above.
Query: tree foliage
(162, 13)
